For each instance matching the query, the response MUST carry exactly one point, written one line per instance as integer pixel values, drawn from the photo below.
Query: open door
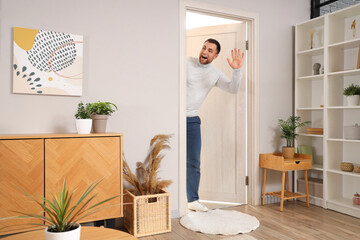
(223, 116)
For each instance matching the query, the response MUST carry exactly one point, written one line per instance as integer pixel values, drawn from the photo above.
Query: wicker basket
(347, 166)
(147, 214)
(357, 169)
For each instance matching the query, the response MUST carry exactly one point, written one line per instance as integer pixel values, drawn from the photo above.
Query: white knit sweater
(201, 78)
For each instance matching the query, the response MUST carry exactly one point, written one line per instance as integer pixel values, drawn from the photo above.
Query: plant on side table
(83, 119)
(61, 215)
(100, 112)
(352, 94)
(288, 129)
(149, 209)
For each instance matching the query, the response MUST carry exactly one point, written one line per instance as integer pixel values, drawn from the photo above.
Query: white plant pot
(83, 126)
(353, 100)
(70, 235)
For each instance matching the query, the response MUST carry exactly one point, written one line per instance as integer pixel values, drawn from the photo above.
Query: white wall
(131, 58)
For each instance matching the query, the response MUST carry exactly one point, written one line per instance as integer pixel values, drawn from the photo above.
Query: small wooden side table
(276, 161)
(87, 233)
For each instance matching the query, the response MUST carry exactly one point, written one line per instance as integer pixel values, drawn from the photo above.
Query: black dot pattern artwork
(52, 51)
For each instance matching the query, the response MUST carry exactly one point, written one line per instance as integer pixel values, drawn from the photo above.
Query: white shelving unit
(319, 99)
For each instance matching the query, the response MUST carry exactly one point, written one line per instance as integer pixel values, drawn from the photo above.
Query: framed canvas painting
(47, 62)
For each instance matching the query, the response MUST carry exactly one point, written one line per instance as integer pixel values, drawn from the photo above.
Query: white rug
(225, 222)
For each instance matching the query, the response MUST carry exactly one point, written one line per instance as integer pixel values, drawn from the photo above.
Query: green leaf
(37, 79)
(39, 91)
(15, 66)
(17, 73)
(24, 75)
(38, 85)
(29, 79)
(24, 69)
(289, 127)
(31, 74)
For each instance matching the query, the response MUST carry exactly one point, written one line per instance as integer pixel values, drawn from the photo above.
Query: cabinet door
(83, 161)
(21, 165)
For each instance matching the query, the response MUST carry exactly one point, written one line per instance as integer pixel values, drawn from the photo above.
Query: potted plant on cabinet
(149, 209)
(83, 119)
(288, 129)
(61, 215)
(352, 94)
(100, 112)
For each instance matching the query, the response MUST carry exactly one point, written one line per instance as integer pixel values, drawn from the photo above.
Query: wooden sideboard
(38, 164)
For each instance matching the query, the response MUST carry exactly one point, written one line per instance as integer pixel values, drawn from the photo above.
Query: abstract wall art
(47, 62)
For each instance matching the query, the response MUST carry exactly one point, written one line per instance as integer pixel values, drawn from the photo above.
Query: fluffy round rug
(225, 222)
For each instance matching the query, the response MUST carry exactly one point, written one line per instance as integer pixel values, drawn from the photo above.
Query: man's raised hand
(237, 59)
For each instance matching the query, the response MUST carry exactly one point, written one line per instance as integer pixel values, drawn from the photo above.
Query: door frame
(253, 195)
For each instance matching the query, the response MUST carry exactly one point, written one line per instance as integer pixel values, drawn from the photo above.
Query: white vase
(83, 126)
(353, 100)
(69, 235)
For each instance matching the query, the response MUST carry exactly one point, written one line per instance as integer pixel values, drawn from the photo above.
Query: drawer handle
(297, 162)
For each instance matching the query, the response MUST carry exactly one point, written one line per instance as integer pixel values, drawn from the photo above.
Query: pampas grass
(146, 180)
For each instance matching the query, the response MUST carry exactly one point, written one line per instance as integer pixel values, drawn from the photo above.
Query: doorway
(252, 117)
(223, 115)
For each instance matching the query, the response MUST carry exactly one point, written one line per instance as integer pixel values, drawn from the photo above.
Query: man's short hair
(218, 47)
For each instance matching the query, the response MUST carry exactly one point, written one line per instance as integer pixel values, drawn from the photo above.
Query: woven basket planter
(347, 167)
(147, 214)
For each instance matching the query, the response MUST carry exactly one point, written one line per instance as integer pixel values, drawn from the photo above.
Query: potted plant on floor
(149, 209)
(352, 94)
(288, 129)
(83, 119)
(62, 212)
(100, 112)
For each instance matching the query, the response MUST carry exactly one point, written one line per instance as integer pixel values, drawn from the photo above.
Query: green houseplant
(352, 94)
(288, 131)
(62, 212)
(100, 112)
(83, 118)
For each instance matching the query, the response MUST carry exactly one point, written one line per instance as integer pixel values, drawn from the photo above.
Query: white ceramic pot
(353, 100)
(83, 126)
(70, 235)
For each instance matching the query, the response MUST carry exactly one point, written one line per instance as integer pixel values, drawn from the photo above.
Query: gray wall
(131, 58)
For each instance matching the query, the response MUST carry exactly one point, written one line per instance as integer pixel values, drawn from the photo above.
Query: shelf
(343, 107)
(338, 171)
(311, 135)
(287, 194)
(312, 52)
(312, 77)
(345, 73)
(310, 109)
(343, 140)
(345, 202)
(318, 167)
(313, 23)
(346, 44)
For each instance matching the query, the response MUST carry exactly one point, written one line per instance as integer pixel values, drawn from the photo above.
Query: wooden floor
(295, 222)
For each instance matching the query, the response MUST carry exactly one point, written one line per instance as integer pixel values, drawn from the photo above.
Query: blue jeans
(193, 148)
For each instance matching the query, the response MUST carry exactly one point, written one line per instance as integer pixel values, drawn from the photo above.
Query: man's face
(208, 53)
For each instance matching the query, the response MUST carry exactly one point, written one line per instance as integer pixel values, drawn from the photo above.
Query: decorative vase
(353, 100)
(288, 152)
(83, 126)
(99, 123)
(69, 235)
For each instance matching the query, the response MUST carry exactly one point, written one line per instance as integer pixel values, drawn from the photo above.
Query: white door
(223, 120)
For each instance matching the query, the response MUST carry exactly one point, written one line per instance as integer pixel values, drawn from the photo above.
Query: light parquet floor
(295, 222)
